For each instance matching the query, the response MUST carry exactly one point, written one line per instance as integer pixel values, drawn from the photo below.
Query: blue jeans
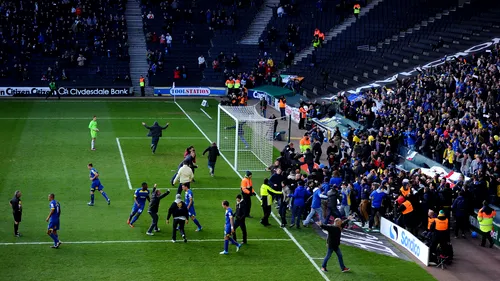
(346, 209)
(339, 256)
(264, 113)
(297, 214)
(154, 143)
(211, 165)
(310, 217)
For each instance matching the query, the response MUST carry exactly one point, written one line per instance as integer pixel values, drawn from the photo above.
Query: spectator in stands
(201, 62)
(81, 60)
(177, 73)
(168, 39)
(280, 11)
(215, 65)
(150, 15)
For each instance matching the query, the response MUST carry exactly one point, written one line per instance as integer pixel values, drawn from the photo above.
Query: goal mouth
(245, 137)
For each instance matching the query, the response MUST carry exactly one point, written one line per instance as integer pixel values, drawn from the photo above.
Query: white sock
(93, 141)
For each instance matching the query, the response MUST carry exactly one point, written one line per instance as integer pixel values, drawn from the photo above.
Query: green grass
(41, 156)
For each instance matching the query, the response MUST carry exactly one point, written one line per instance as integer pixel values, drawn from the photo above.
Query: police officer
(485, 218)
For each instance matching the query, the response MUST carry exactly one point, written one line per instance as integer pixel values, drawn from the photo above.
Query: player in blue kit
(228, 229)
(189, 200)
(96, 184)
(140, 197)
(53, 220)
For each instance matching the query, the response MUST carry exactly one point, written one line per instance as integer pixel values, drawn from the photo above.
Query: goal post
(244, 137)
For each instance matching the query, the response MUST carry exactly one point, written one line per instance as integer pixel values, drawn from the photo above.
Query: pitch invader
(96, 184)
(140, 197)
(93, 131)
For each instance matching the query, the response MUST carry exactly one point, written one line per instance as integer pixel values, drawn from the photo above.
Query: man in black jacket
(333, 242)
(17, 211)
(317, 151)
(179, 211)
(154, 204)
(241, 208)
(213, 153)
(155, 132)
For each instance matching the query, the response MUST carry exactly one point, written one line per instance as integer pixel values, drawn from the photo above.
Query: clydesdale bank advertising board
(63, 91)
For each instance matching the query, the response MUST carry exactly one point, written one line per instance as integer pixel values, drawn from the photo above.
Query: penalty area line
(134, 241)
(272, 213)
(123, 162)
(206, 113)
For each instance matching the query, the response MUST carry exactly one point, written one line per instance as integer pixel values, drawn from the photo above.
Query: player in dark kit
(17, 211)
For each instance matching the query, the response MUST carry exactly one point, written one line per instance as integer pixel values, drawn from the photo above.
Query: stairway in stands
(335, 31)
(259, 23)
(137, 46)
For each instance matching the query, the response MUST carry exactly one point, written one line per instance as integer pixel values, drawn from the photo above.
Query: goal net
(245, 138)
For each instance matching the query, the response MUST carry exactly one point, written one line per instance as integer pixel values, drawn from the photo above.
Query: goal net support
(245, 138)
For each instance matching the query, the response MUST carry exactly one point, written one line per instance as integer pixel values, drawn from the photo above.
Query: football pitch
(45, 148)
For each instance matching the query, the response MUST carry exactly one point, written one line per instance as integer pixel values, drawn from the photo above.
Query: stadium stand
(191, 24)
(289, 33)
(73, 42)
(379, 45)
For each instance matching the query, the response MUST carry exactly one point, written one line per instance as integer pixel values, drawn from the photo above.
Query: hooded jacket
(155, 130)
(213, 153)
(317, 196)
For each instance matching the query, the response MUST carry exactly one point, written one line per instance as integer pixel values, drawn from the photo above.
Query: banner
(76, 91)
(404, 238)
(23, 91)
(64, 91)
(189, 91)
(257, 95)
(285, 78)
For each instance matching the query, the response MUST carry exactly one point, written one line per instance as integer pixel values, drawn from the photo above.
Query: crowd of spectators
(448, 113)
(68, 33)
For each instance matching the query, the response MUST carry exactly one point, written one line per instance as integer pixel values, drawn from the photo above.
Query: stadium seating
(307, 17)
(187, 54)
(399, 45)
(40, 35)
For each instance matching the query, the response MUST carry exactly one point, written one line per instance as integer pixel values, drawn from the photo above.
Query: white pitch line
(88, 118)
(169, 138)
(205, 113)
(272, 213)
(124, 165)
(134, 241)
